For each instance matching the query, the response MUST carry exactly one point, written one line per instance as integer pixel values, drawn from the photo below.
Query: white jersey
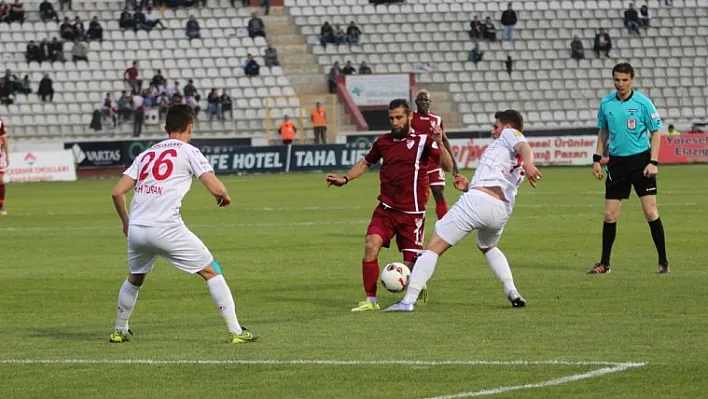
(500, 166)
(163, 176)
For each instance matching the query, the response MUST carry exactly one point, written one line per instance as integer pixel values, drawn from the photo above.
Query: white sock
(422, 272)
(372, 299)
(221, 295)
(127, 297)
(500, 266)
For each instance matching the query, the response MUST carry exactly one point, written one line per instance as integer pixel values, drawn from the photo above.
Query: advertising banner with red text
(566, 150)
(685, 148)
(41, 166)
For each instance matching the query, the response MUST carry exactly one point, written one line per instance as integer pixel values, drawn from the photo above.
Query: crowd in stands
(348, 69)
(335, 35)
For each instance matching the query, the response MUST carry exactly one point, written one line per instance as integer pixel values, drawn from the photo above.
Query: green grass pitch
(290, 249)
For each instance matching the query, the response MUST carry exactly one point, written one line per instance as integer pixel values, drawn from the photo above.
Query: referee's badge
(631, 123)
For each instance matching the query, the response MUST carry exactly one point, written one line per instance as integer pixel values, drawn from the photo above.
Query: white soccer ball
(395, 277)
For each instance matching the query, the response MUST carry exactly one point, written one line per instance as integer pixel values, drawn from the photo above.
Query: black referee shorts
(623, 173)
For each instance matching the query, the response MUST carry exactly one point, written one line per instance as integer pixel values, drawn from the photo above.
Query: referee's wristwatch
(596, 158)
(653, 162)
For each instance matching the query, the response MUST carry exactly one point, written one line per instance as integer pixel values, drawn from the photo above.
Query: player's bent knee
(437, 245)
(373, 246)
(487, 249)
(209, 272)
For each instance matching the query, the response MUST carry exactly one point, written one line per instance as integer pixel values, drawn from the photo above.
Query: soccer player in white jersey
(160, 177)
(485, 206)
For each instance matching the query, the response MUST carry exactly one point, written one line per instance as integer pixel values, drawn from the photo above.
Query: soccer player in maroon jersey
(425, 121)
(404, 192)
(4, 164)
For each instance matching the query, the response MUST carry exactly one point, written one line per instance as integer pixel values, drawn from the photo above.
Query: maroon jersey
(403, 175)
(425, 124)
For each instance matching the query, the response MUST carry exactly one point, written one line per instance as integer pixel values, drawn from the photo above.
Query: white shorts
(175, 244)
(475, 210)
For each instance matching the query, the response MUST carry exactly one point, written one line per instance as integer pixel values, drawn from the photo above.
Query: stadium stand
(552, 89)
(214, 61)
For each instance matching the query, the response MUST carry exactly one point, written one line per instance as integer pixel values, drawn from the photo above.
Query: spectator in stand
(227, 104)
(126, 19)
(509, 65)
(162, 104)
(46, 89)
(353, 33)
(334, 72)
(475, 28)
(603, 43)
(271, 57)
(508, 21)
(631, 20)
(109, 110)
(152, 18)
(80, 51)
(4, 12)
(577, 51)
(95, 31)
(265, 4)
(256, 27)
(56, 50)
(6, 96)
(476, 54)
(644, 16)
(139, 21)
(339, 35)
(194, 103)
(173, 91)
(63, 3)
(17, 12)
(695, 130)
(138, 103)
(130, 76)
(158, 80)
(47, 12)
(326, 34)
(79, 30)
(189, 89)
(214, 105)
(251, 67)
(125, 109)
(672, 131)
(364, 69)
(33, 53)
(66, 30)
(10, 81)
(349, 69)
(489, 32)
(193, 30)
(25, 86)
(44, 49)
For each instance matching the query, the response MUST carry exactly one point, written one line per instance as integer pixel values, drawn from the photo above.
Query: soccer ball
(395, 277)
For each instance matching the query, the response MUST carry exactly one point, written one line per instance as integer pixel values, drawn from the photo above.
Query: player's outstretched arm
(446, 161)
(125, 184)
(357, 170)
(216, 188)
(602, 137)
(532, 174)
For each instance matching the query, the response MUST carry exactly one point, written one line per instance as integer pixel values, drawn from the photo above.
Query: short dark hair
(398, 103)
(179, 117)
(623, 67)
(512, 117)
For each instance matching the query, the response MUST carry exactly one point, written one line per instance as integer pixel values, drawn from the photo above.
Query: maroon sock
(2, 195)
(441, 208)
(370, 272)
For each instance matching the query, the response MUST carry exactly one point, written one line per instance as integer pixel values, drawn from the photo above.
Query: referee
(631, 122)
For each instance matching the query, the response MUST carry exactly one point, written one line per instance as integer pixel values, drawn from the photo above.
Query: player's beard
(402, 132)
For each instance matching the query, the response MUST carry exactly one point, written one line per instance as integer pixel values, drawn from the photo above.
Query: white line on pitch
(543, 384)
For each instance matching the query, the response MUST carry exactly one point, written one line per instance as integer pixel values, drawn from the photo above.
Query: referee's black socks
(609, 231)
(657, 233)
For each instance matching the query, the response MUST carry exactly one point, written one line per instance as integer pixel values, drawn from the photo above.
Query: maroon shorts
(409, 230)
(436, 177)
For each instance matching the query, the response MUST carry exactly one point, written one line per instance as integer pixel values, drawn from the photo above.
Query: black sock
(609, 231)
(657, 233)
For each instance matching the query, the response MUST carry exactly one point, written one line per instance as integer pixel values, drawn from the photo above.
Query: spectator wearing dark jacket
(95, 31)
(603, 43)
(47, 12)
(126, 19)
(33, 53)
(348, 69)
(353, 33)
(66, 30)
(631, 20)
(271, 57)
(46, 89)
(508, 21)
(475, 28)
(489, 32)
(256, 27)
(17, 12)
(326, 34)
(364, 69)
(193, 28)
(251, 67)
(577, 51)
